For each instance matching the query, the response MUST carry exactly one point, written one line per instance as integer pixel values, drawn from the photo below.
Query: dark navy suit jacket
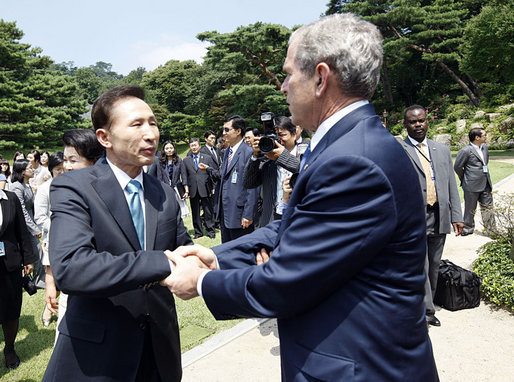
(237, 202)
(346, 278)
(113, 289)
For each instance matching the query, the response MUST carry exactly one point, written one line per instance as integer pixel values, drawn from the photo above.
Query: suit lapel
(108, 189)
(235, 157)
(152, 205)
(412, 152)
(6, 214)
(474, 152)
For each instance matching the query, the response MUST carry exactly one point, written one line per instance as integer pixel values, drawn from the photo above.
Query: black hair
(476, 132)
(85, 143)
(55, 160)
(208, 133)
(238, 122)
(37, 155)
(16, 154)
(163, 158)
(5, 161)
(102, 107)
(413, 107)
(284, 123)
(191, 140)
(17, 170)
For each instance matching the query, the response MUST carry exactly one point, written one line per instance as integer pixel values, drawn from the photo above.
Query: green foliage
(180, 127)
(496, 270)
(36, 103)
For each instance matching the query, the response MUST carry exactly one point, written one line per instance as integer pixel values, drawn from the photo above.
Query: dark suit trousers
(147, 371)
(229, 234)
(485, 198)
(435, 246)
(207, 204)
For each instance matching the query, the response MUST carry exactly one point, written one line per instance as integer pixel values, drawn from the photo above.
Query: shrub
(496, 270)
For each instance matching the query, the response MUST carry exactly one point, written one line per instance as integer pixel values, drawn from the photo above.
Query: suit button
(142, 325)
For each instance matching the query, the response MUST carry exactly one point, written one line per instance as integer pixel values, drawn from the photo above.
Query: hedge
(496, 270)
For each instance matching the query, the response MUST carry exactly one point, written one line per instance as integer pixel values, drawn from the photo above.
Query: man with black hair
(236, 204)
(471, 166)
(111, 226)
(433, 164)
(201, 188)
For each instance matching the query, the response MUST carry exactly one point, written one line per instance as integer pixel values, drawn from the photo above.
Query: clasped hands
(190, 262)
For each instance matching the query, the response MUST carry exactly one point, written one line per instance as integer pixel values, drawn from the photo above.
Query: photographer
(270, 169)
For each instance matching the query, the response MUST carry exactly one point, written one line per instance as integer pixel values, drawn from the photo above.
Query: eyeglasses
(227, 129)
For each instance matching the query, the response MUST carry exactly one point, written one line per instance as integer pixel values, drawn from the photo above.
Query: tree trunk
(386, 83)
(465, 88)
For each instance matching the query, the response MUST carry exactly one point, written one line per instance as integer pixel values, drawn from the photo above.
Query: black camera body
(267, 141)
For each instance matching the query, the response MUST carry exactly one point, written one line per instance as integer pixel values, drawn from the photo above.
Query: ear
(322, 76)
(103, 137)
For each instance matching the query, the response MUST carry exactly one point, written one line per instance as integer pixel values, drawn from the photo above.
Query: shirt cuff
(200, 281)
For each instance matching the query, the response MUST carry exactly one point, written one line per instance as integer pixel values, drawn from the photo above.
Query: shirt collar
(3, 195)
(122, 176)
(476, 147)
(415, 142)
(328, 123)
(236, 146)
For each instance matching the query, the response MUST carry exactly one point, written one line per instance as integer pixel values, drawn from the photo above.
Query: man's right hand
(206, 256)
(255, 147)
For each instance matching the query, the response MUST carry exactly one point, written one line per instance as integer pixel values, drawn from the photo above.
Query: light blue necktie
(305, 157)
(196, 161)
(136, 210)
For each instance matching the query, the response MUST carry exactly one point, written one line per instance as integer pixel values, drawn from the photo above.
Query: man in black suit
(201, 188)
(433, 164)
(471, 166)
(111, 226)
(211, 149)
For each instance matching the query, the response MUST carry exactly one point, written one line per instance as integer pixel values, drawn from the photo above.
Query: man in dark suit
(471, 166)
(211, 149)
(236, 205)
(270, 170)
(201, 187)
(111, 225)
(346, 278)
(433, 164)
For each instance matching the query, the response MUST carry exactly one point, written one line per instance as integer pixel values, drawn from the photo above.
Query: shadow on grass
(28, 348)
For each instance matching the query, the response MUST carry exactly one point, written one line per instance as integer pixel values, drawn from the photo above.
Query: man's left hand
(458, 227)
(28, 268)
(245, 223)
(274, 154)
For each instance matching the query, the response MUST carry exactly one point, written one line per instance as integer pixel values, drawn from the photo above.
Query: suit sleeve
(253, 174)
(31, 224)
(339, 226)
(41, 208)
(77, 266)
(28, 255)
(252, 195)
(453, 192)
(460, 162)
(183, 172)
(288, 161)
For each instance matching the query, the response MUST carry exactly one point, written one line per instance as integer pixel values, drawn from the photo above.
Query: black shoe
(211, 235)
(14, 360)
(432, 320)
(197, 236)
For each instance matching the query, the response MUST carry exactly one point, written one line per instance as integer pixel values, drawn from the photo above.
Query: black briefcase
(457, 288)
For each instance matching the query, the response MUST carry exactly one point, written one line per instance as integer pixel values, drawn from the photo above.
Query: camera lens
(266, 144)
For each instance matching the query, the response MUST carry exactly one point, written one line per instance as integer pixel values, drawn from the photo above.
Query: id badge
(485, 169)
(234, 177)
(2, 249)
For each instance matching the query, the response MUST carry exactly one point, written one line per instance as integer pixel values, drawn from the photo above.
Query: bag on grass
(457, 288)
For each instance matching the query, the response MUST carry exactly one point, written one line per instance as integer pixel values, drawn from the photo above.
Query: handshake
(190, 263)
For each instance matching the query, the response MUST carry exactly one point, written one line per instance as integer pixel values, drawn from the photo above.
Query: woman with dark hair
(15, 253)
(17, 156)
(171, 170)
(42, 218)
(81, 149)
(44, 157)
(22, 172)
(5, 174)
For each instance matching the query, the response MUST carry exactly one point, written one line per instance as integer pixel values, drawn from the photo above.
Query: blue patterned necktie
(136, 210)
(229, 159)
(305, 157)
(196, 161)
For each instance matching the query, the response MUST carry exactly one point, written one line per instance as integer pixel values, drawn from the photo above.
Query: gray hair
(350, 46)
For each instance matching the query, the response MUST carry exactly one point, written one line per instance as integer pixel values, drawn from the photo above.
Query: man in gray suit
(433, 164)
(473, 172)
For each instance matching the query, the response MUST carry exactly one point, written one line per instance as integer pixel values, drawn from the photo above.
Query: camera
(292, 181)
(29, 285)
(267, 142)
